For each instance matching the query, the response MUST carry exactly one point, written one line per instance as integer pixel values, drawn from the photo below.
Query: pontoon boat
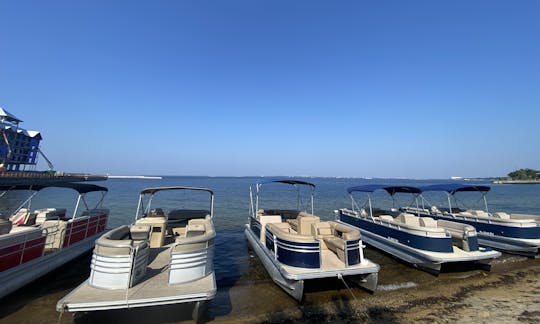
(33, 243)
(295, 245)
(512, 233)
(422, 241)
(164, 257)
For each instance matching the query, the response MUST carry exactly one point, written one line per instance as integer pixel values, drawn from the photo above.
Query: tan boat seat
(386, 218)
(305, 220)
(409, 219)
(428, 222)
(501, 215)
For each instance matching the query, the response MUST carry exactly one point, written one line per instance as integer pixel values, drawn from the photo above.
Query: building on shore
(19, 147)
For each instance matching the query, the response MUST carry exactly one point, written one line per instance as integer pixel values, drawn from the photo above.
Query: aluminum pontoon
(421, 241)
(295, 246)
(33, 243)
(164, 257)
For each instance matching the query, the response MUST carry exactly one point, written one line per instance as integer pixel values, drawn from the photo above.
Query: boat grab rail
(27, 238)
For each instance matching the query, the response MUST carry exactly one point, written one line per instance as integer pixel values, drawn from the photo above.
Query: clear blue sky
(410, 89)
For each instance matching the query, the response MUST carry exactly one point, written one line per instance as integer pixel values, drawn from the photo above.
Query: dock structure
(45, 178)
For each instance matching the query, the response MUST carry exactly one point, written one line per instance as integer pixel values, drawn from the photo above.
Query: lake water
(241, 279)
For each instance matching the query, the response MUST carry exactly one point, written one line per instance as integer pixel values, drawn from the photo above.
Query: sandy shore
(507, 295)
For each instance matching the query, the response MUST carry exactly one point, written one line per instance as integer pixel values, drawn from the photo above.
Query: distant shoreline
(516, 181)
(134, 177)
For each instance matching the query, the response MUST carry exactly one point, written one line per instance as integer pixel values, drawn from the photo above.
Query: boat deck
(151, 291)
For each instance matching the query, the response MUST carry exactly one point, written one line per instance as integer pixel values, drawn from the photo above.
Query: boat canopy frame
(254, 205)
(452, 188)
(371, 188)
(141, 209)
(81, 188)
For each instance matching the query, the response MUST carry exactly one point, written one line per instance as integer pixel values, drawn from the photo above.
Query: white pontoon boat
(421, 241)
(295, 246)
(512, 233)
(150, 262)
(33, 243)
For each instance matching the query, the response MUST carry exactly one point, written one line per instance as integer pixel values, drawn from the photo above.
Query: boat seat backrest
(501, 215)
(479, 213)
(290, 236)
(321, 229)
(386, 218)
(409, 219)
(305, 220)
(195, 230)
(428, 222)
(267, 219)
(140, 232)
(115, 242)
(345, 232)
(5, 226)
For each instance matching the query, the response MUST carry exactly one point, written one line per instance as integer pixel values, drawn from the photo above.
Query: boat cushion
(386, 218)
(409, 219)
(428, 222)
(140, 232)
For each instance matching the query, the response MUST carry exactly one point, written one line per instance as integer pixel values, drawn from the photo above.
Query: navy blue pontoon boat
(513, 233)
(295, 245)
(422, 241)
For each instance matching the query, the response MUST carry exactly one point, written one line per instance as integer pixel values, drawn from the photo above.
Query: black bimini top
(154, 190)
(392, 190)
(286, 181)
(81, 188)
(452, 188)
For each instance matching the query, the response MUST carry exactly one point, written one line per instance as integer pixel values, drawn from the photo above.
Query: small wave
(509, 259)
(392, 287)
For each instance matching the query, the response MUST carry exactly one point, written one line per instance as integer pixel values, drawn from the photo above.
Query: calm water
(241, 279)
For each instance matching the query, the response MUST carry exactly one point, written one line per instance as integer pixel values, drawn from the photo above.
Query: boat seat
(305, 220)
(409, 219)
(195, 239)
(195, 230)
(282, 232)
(501, 215)
(117, 242)
(322, 229)
(140, 232)
(293, 222)
(479, 213)
(267, 219)
(428, 222)
(386, 218)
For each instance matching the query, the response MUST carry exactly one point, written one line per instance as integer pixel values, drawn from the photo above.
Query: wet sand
(509, 293)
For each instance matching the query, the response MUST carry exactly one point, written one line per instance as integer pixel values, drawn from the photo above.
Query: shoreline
(134, 177)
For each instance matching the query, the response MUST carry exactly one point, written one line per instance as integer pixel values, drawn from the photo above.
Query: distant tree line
(524, 174)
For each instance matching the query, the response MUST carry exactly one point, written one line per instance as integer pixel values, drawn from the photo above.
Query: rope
(346, 286)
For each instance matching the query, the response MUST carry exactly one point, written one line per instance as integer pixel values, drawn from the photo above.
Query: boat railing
(51, 232)
(29, 245)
